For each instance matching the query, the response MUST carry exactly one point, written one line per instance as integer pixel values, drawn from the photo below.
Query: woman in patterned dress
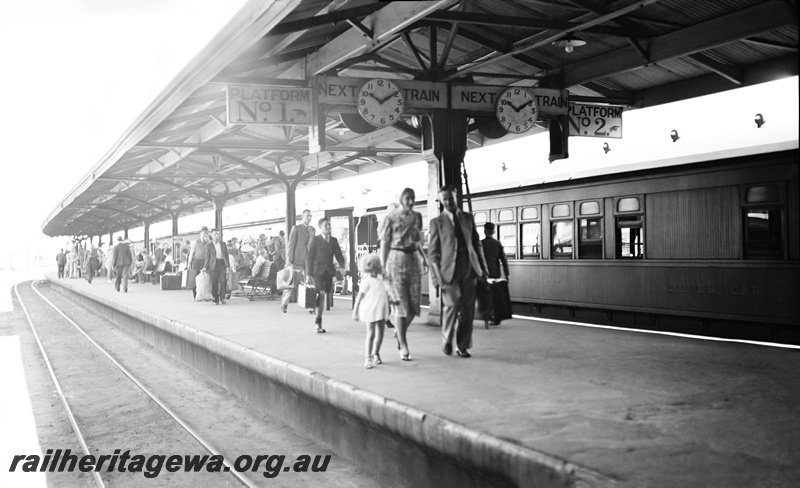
(402, 258)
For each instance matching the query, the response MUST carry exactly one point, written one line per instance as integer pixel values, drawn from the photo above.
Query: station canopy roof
(180, 154)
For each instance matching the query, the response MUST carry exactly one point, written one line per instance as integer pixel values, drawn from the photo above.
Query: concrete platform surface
(643, 409)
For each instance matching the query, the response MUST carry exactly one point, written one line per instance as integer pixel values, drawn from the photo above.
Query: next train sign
(587, 120)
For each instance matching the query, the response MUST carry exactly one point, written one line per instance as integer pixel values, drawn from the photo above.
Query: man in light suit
(456, 259)
(320, 268)
(299, 240)
(217, 264)
(198, 255)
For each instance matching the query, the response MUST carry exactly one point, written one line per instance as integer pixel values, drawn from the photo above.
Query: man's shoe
(283, 307)
(222, 302)
(447, 349)
(463, 354)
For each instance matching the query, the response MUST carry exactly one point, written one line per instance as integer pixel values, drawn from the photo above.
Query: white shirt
(219, 249)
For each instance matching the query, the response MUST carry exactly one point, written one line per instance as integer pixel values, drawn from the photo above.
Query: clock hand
(376, 98)
(390, 96)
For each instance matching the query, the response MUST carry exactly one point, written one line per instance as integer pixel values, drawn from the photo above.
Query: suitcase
(307, 296)
(501, 301)
(188, 278)
(171, 281)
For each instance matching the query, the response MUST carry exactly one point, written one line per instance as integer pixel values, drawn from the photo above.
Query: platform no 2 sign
(595, 120)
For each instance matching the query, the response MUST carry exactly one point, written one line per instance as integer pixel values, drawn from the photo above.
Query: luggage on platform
(188, 278)
(171, 281)
(203, 283)
(307, 296)
(233, 280)
(494, 300)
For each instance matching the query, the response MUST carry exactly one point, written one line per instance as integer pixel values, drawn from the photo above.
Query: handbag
(286, 278)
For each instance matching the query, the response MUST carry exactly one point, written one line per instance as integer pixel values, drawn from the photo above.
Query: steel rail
(81, 440)
(205, 443)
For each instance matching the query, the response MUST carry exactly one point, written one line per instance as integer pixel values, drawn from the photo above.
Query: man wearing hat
(300, 238)
(198, 255)
(122, 260)
(217, 264)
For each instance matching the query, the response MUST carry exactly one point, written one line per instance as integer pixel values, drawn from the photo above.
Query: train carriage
(715, 241)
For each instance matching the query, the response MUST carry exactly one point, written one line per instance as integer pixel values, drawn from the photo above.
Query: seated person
(261, 261)
(138, 274)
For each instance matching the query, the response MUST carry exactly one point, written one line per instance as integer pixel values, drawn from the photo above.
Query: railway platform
(539, 403)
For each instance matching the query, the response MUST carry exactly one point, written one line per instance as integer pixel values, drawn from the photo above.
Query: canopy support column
(146, 224)
(219, 204)
(444, 144)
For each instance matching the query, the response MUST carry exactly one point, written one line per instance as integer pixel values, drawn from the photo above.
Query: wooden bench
(152, 275)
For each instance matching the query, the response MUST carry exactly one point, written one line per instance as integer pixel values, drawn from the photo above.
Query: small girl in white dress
(372, 307)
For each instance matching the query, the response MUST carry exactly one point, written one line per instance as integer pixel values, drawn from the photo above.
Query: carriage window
(530, 213)
(629, 237)
(763, 236)
(507, 235)
(505, 215)
(480, 219)
(629, 204)
(590, 208)
(531, 232)
(590, 239)
(561, 210)
(759, 194)
(562, 239)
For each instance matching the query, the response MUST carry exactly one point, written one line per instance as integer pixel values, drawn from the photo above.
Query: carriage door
(343, 230)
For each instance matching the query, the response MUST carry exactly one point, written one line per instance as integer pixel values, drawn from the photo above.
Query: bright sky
(77, 73)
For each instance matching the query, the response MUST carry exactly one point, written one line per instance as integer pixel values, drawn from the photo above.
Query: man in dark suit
(495, 257)
(319, 265)
(456, 259)
(61, 261)
(299, 239)
(217, 264)
(122, 260)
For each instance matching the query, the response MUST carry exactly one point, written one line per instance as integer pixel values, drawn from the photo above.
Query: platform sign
(477, 98)
(418, 94)
(251, 104)
(588, 120)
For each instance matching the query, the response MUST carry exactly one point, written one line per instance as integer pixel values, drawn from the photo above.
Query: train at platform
(707, 244)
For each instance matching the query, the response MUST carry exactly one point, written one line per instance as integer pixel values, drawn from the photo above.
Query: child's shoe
(368, 364)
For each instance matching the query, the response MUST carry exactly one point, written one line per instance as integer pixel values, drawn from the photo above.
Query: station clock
(516, 109)
(380, 102)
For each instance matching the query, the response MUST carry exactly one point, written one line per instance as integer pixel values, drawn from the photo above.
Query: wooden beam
(722, 30)
(385, 25)
(729, 72)
(543, 40)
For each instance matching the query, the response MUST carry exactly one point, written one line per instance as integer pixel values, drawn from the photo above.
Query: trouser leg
(466, 313)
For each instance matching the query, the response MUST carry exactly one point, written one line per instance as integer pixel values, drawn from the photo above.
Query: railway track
(113, 409)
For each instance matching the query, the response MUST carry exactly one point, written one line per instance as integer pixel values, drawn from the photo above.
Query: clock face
(516, 109)
(380, 102)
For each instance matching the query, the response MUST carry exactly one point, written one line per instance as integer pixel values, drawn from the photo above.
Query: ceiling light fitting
(569, 43)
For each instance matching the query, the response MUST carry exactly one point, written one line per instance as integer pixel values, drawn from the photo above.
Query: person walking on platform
(61, 261)
(372, 307)
(122, 259)
(457, 261)
(320, 269)
(495, 257)
(217, 264)
(91, 264)
(402, 258)
(198, 255)
(299, 240)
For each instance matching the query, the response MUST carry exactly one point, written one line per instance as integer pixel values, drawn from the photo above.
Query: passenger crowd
(303, 268)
